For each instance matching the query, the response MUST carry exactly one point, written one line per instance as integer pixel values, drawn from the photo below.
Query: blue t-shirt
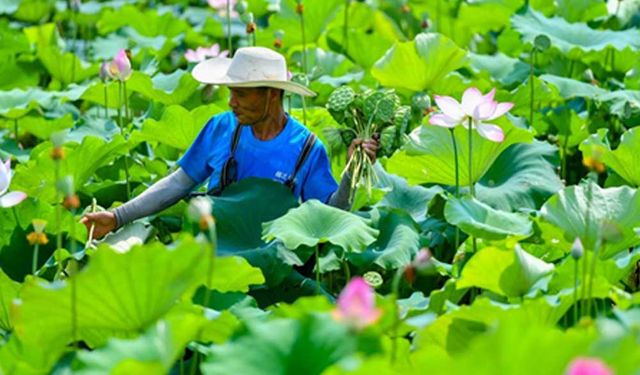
(273, 159)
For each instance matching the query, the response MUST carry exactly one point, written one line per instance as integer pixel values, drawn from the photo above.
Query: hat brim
(214, 72)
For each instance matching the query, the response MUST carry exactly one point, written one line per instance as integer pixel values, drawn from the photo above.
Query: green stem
(304, 66)
(531, 103)
(228, 18)
(122, 131)
(347, 271)
(317, 255)
(15, 129)
(194, 363)
(212, 256)
(471, 187)
(395, 291)
(127, 113)
(345, 28)
(592, 275)
(34, 265)
(106, 102)
(457, 191)
(565, 146)
(571, 66)
(74, 308)
(58, 207)
(575, 292)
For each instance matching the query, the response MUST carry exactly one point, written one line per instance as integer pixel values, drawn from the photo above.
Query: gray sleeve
(341, 198)
(157, 197)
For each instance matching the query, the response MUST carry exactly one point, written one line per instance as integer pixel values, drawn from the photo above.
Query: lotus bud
(577, 250)
(199, 211)
(299, 7)
(588, 366)
(104, 71)
(424, 24)
(356, 305)
(251, 26)
(241, 7)
(120, 66)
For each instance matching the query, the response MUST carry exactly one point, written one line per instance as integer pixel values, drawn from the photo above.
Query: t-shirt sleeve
(319, 182)
(195, 161)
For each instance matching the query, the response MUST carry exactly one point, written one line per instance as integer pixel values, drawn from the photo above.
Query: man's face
(248, 103)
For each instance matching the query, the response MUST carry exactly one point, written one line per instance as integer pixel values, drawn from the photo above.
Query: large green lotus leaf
(397, 244)
(173, 88)
(412, 199)
(317, 15)
(568, 37)
(313, 223)
(509, 272)
(571, 88)
(429, 157)
(37, 176)
(178, 127)
(543, 94)
(420, 64)
(523, 176)
(39, 126)
(8, 291)
(478, 219)
(581, 10)
(283, 346)
(17, 357)
(614, 208)
(233, 274)
(9, 6)
(608, 272)
(18, 75)
(157, 349)
(513, 339)
(240, 212)
(624, 160)
(500, 67)
(16, 103)
(117, 295)
(65, 67)
(623, 103)
(148, 22)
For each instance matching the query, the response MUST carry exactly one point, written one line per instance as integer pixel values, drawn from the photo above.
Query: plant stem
(106, 101)
(74, 312)
(127, 113)
(122, 131)
(58, 207)
(457, 191)
(345, 28)
(592, 275)
(34, 265)
(304, 65)
(347, 271)
(15, 129)
(575, 292)
(317, 254)
(212, 255)
(471, 187)
(395, 291)
(533, 54)
(229, 46)
(565, 145)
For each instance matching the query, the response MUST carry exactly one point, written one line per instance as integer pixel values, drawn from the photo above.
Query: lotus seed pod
(341, 98)
(241, 7)
(347, 136)
(373, 279)
(542, 42)
(576, 249)
(421, 101)
(401, 120)
(387, 140)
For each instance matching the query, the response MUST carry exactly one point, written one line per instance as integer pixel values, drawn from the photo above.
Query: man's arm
(341, 198)
(156, 198)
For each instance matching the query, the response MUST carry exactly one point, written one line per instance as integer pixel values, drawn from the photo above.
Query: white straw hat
(249, 67)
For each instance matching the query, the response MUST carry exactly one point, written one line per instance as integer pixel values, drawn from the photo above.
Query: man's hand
(105, 222)
(370, 147)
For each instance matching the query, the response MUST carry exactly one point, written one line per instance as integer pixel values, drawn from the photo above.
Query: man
(256, 139)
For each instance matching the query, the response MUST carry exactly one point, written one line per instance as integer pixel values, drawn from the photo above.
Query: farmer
(257, 138)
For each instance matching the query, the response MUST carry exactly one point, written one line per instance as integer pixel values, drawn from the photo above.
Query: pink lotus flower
(221, 7)
(356, 304)
(8, 199)
(588, 366)
(474, 106)
(202, 53)
(120, 67)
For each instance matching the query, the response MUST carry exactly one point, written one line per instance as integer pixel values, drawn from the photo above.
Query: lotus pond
(497, 233)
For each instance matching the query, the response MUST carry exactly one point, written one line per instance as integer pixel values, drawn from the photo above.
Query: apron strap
(304, 154)
(228, 174)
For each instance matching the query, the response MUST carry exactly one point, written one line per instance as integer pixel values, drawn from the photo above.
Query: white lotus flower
(8, 199)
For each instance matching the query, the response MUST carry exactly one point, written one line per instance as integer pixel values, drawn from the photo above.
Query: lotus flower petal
(12, 198)
(490, 95)
(443, 120)
(5, 176)
(120, 66)
(221, 6)
(588, 366)
(450, 107)
(356, 304)
(485, 110)
(501, 109)
(471, 98)
(191, 56)
(489, 131)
